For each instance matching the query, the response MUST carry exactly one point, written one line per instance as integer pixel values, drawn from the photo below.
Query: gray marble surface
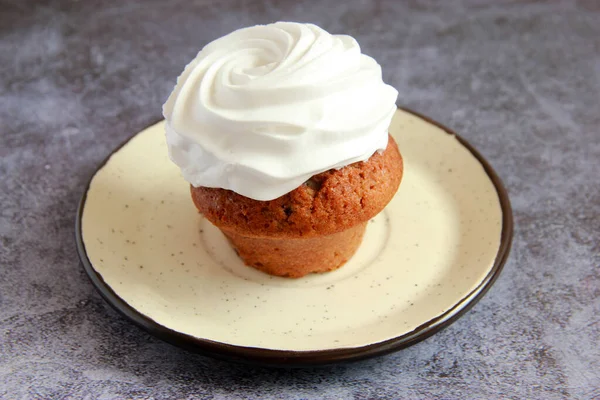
(519, 79)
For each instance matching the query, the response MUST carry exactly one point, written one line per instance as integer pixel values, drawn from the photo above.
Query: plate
(429, 256)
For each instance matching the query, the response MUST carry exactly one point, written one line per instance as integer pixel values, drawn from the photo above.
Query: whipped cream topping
(261, 110)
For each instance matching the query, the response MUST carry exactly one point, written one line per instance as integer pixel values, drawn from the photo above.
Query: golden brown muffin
(314, 228)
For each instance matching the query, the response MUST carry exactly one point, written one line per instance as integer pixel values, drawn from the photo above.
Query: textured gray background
(519, 79)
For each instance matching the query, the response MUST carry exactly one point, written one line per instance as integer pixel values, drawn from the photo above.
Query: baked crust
(328, 203)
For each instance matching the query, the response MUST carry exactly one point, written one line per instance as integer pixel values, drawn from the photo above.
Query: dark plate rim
(288, 358)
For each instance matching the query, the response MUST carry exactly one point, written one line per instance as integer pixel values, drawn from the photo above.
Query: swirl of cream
(261, 110)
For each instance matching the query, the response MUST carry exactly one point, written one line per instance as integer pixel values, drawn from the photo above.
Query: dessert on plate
(282, 132)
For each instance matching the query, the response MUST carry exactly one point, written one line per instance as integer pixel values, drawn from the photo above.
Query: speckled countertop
(519, 79)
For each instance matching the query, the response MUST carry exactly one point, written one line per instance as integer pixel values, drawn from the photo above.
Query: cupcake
(282, 132)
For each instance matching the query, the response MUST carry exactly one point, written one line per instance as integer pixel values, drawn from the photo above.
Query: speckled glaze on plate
(433, 252)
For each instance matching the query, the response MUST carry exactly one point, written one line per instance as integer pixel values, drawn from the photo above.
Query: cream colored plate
(433, 249)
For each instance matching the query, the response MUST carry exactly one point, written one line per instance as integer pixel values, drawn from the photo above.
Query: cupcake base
(316, 227)
(295, 258)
